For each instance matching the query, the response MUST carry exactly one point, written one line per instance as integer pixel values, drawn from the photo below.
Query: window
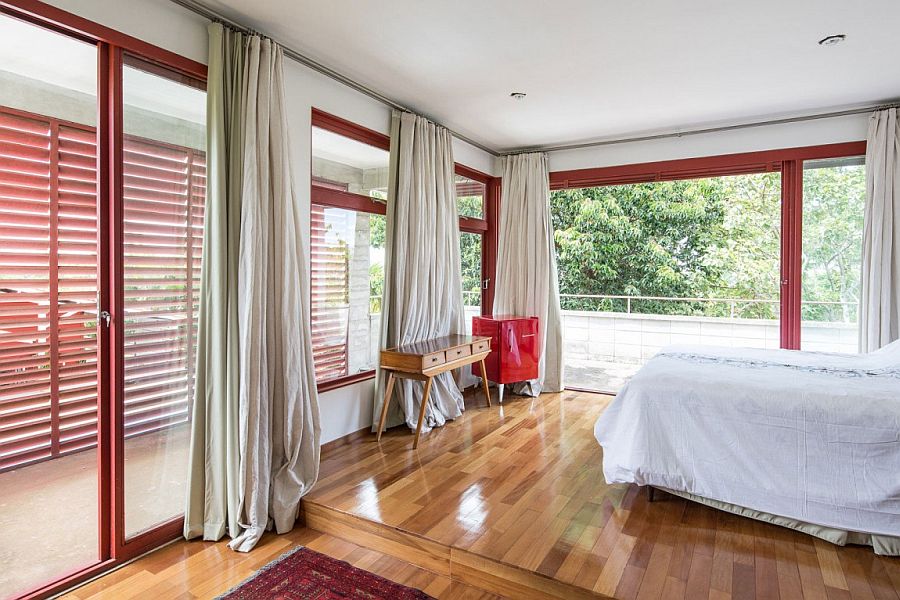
(834, 197)
(646, 265)
(347, 235)
(347, 242)
(708, 251)
(470, 197)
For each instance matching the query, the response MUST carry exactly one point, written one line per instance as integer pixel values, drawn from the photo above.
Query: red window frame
(787, 161)
(326, 194)
(111, 46)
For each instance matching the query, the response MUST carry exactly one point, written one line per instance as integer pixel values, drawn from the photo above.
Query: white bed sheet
(806, 435)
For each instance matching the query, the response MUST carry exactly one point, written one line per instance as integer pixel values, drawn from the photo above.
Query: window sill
(333, 384)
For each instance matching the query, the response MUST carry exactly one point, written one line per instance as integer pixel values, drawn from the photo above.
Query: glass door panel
(470, 259)
(834, 197)
(164, 174)
(642, 266)
(48, 305)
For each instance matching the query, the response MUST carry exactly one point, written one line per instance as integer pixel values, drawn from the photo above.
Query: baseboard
(346, 439)
(467, 567)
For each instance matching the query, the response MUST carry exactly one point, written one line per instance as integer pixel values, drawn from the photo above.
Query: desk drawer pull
(478, 347)
(430, 360)
(459, 352)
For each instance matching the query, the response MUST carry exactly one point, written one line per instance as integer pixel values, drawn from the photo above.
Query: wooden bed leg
(651, 493)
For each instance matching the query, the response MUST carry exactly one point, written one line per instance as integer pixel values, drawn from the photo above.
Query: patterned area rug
(304, 574)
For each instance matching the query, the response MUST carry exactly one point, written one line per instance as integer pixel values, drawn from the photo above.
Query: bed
(806, 440)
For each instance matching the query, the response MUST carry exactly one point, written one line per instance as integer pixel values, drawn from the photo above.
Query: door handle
(105, 316)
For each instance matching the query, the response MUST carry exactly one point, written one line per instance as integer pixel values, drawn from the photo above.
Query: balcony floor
(49, 513)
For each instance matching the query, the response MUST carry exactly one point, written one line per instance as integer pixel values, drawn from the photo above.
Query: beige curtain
(880, 294)
(422, 281)
(255, 442)
(527, 283)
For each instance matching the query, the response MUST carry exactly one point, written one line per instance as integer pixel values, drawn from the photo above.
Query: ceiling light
(517, 95)
(832, 40)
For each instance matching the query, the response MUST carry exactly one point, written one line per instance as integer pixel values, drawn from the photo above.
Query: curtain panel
(422, 280)
(527, 284)
(880, 291)
(255, 431)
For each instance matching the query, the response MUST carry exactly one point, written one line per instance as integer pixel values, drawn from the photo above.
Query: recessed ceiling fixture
(517, 95)
(832, 40)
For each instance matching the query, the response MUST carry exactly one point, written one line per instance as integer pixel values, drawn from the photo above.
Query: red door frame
(114, 548)
(787, 161)
(328, 195)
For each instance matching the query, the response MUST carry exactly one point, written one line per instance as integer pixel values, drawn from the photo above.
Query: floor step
(461, 565)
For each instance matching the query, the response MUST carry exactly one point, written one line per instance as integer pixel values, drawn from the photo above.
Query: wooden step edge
(408, 547)
(476, 570)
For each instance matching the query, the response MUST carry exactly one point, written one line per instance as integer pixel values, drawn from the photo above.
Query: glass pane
(834, 197)
(469, 197)
(347, 165)
(48, 306)
(470, 258)
(165, 185)
(347, 279)
(642, 266)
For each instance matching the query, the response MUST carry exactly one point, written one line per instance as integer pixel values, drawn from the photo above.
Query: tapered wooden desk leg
(387, 401)
(484, 382)
(422, 411)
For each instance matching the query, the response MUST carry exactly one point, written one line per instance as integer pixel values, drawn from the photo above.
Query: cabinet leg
(500, 393)
(388, 392)
(422, 412)
(484, 382)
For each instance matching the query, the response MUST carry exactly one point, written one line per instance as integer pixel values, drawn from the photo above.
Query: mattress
(810, 437)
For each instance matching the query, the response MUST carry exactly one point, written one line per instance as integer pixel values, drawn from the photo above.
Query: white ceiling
(595, 69)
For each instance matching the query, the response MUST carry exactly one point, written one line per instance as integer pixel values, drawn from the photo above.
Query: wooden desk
(423, 360)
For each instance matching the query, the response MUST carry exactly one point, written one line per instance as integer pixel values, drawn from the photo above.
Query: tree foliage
(711, 238)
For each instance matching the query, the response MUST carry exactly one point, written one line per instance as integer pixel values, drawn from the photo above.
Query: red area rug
(304, 574)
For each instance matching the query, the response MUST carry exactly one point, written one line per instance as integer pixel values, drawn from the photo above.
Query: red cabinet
(515, 347)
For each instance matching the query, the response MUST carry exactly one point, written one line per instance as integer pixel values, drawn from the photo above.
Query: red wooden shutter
(329, 282)
(48, 285)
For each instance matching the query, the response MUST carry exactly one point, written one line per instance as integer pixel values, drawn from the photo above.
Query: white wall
(169, 26)
(850, 128)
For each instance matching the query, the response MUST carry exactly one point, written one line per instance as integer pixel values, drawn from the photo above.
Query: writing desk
(422, 361)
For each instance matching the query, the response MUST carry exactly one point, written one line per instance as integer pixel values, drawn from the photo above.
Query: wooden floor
(513, 498)
(203, 570)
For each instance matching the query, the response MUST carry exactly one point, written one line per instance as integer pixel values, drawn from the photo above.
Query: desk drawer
(482, 346)
(433, 360)
(458, 352)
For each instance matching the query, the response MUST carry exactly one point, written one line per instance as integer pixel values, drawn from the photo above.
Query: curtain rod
(677, 134)
(213, 15)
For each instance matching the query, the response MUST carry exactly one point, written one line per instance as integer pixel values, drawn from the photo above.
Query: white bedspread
(806, 435)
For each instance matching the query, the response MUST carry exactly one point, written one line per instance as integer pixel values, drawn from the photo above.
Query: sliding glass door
(49, 482)
(645, 265)
(102, 188)
(834, 196)
(164, 188)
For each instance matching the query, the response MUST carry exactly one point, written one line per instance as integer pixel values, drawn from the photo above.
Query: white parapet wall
(633, 338)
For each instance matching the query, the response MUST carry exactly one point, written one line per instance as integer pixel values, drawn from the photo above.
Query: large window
(347, 245)
(834, 196)
(347, 234)
(727, 260)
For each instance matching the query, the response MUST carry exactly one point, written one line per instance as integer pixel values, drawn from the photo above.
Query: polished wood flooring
(512, 499)
(203, 570)
(510, 502)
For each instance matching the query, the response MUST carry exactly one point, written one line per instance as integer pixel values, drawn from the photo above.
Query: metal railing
(733, 303)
